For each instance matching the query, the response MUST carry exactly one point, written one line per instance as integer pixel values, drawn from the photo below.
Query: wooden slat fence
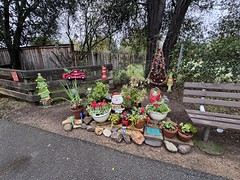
(25, 89)
(49, 57)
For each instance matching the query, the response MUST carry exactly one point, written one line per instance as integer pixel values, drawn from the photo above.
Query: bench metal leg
(206, 134)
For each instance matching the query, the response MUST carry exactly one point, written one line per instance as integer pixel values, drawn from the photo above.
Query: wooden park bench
(226, 95)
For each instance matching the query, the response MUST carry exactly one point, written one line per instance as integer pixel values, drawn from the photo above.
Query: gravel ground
(49, 119)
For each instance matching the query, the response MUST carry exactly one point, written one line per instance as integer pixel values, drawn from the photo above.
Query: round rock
(68, 127)
(170, 146)
(184, 149)
(98, 131)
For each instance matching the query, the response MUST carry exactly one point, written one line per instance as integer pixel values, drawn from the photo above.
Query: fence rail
(25, 88)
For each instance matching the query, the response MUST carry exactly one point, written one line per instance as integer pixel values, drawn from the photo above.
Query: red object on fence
(104, 73)
(74, 74)
(15, 76)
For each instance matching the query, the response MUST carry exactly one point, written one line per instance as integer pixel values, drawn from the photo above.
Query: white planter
(101, 118)
(156, 116)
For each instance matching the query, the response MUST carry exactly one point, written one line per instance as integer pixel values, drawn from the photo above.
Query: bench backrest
(214, 94)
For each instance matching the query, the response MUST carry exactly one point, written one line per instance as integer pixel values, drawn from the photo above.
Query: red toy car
(74, 74)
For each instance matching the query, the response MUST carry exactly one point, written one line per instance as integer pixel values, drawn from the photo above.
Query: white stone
(107, 132)
(170, 146)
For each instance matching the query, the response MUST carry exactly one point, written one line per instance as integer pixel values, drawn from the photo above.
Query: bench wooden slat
(211, 94)
(190, 111)
(216, 124)
(214, 119)
(212, 86)
(211, 102)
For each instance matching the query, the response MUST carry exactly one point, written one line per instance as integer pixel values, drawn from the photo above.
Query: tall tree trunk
(13, 44)
(174, 28)
(15, 57)
(155, 9)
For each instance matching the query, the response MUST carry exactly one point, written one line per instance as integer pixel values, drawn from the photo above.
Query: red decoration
(74, 74)
(155, 95)
(104, 73)
(157, 74)
(15, 76)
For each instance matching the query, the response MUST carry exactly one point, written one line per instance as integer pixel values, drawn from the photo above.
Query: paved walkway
(28, 153)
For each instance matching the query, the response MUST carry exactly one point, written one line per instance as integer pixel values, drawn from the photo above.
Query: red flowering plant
(158, 106)
(132, 96)
(137, 114)
(98, 108)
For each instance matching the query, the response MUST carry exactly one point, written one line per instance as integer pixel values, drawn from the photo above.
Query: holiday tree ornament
(43, 91)
(157, 74)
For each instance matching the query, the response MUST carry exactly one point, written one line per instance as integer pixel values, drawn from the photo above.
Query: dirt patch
(49, 119)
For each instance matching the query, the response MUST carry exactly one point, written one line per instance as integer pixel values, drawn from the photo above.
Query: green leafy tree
(23, 21)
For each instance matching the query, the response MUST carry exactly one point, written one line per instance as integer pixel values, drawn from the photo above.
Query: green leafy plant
(98, 93)
(169, 125)
(158, 106)
(132, 96)
(73, 95)
(100, 108)
(114, 118)
(187, 128)
(133, 71)
(137, 114)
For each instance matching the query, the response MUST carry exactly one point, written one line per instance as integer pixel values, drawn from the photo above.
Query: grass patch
(209, 147)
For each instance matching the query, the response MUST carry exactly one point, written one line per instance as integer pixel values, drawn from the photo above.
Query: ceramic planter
(101, 118)
(76, 112)
(170, 134)
(184, 136)
(156, 116)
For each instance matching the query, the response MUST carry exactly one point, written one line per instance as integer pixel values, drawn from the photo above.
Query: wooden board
(222, 125)
(19, 95)
(211, 102)
(190, 111)
(212, 86)
(211, 94)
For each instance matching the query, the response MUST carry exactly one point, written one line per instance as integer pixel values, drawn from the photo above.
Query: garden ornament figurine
(170, 82)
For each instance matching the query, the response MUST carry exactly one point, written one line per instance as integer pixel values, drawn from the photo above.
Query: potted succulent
(100, 111)
(186, 131)
(76, 106)
(97, 93)
(132, 96)
(138, 117)
(169, 128)
(115, 118)
(158, 110)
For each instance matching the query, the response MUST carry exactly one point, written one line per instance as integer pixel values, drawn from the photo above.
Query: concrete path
(28, 153)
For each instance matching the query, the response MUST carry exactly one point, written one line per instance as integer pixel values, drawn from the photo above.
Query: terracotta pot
(140, 124)
(125, 122)
(170, 134)
(184, 136)
(76, 112)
